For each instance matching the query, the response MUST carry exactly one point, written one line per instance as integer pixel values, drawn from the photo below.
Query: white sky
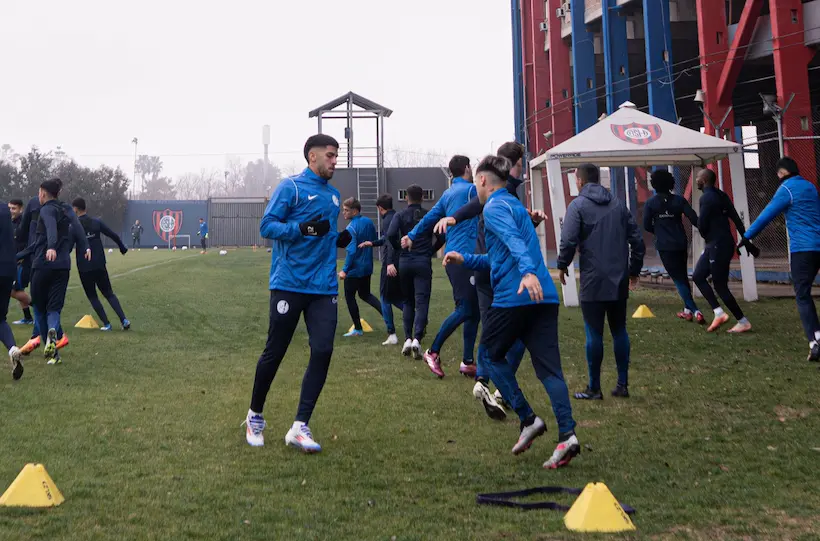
(198, 77)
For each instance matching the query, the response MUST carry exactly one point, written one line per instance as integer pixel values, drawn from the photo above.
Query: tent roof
(630, 137)
(355, 99)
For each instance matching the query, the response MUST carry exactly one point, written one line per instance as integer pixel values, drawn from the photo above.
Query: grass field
(141, 430)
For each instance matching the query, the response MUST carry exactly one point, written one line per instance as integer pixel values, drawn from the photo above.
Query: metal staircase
(367, 180)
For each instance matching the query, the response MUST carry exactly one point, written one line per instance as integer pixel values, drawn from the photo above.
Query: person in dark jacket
(415, 269)
(8, 275)
(389, 284)
(611, 249)
(26, 235)
(136, 234)
(94, 274)
(798, 199)
(15, 206)
(716, 209)
(663, 217)
(358, 266)
(57, 231)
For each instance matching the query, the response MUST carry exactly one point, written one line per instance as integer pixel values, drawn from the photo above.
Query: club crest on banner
(167, 222)
(638, 134)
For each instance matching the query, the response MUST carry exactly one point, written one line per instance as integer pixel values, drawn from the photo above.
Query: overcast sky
(195, 81)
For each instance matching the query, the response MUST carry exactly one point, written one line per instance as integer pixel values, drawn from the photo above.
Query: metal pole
(134, 186)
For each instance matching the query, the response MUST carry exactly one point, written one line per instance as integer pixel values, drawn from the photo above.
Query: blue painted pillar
(518, 74)
(583, 69)
(658, 34)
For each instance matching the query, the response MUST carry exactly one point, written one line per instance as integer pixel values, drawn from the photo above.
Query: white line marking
(138, 269)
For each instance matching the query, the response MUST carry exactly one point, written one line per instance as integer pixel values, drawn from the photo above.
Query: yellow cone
(365, 326)
(87, 322)
(597, 510)
(32, 488)
(643, 311)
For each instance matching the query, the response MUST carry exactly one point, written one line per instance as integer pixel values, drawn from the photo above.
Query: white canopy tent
(630, 137)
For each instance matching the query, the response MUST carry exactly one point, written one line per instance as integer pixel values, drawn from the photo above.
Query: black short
(23, 277)
(5, 297)
(97, 278)
(463, 281)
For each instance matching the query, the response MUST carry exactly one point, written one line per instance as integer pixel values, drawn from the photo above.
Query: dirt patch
(785, 413)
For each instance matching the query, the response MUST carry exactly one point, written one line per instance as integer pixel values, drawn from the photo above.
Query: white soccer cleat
(392, 340)
(500, 399)
(300, 436)
(528, 435)
(15, 358)
(416, 348)
(564, 453)
(407, 349)
(255, 424)
(493, 409)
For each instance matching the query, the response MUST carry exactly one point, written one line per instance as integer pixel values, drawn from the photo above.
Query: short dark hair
(385, 201)
(52, 186)
(512, 150)
(352, 203)
(497, 166)
(589, 173)
(788, 164)
(16, 202)
(78, 203)
(415, 194)
(662, 180)
(319, 140)
(201, 219)
(458, 165)
(709, 176)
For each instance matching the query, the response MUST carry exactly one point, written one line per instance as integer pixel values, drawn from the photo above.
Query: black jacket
(8, 252)
(94, 228)
(663, 216)
(385, 247)
(716, 209)
(57, 229)
(402, 223)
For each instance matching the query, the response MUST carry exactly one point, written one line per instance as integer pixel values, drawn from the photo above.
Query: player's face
(137, 222)
(348, 213)
(517, 168)
(468, 173)
(325, 161)
(482, 186)
(701, 180)
(42, 195)
(15, 211)
(782, 173)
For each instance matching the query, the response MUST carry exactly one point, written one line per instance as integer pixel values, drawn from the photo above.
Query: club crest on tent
(639, 134)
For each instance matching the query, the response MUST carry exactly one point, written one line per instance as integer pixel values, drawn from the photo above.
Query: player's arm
(394, 234)
(570, 237)
(351, 249)
(275, 224)
(430, 219)
(468, 211)
(707, 208)
(649, 217)
(78, 234)
(779, 203)
(25, 223)
(108, 232)
(477, 262)
(733, 215)
(47, 215)
(438, 242)
(690, 213)
(500, 220)
(637, 248)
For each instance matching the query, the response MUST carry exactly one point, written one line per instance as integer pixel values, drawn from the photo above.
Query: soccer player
(414, 268)
(94, 274)
(525, 307)
(389, 285)
(203, 235)
(18, 291)
(51, 265)
(26, 236)
(460, 238)
(358, 266)
(663, 217)
(300, 219)
(798, 199)
(8, 275)
(611, 249)
(716, 209)
(136, 234)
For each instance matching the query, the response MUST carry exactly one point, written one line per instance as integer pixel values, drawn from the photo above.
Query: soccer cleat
(467, 370)
(740, 328)
(564, 453)
(106, 327)
(528, 435)
(814, 353)
(254, 425)
(56, 359)
(685, 315)
(23, 321)
(62, 342)
(30, 346)
(416, 349)
(718, 321)
(433, 363)
(620, 391)
(50, 349)
(590, 394)
(15, 358)
(500, 399)
(407, 348)
(354, 332)
(699, 318)
(493, 409)
(299, 436)
(126, 324)
(392, 340)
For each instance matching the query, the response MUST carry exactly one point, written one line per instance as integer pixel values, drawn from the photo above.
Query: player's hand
(88, 255)
(392, 271)
(453, 258)
(562, 275)
(51, 255)
(123, 250)
(533, 286)
(315, 227)
(406, 243)
(366, 244)
(633, 283)
(206, 235)
(342, 275)
(441, 227)
(537, 216)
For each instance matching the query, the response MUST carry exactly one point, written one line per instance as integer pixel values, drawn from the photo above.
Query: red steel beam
(737, 53)
(536, 76)
(560, 76)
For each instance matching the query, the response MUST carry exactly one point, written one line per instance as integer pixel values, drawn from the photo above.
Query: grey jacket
(601, 228)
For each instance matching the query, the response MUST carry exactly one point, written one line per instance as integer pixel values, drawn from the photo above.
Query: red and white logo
(167, 223)
(638, 134)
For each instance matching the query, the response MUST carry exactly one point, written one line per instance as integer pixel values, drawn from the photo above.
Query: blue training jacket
(359, 261)
(513, 250)
(461, 237)
(203, 229)
(302, 264)
(798, 198)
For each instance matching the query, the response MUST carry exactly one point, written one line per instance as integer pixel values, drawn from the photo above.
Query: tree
(256, 183)
(397, 157)
(148, 168)
(199, 186)
(158, 189)
(234, 184)
(7, 154)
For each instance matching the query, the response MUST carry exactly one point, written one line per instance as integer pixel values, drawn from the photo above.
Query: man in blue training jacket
(799, 200)
(611, 249)
(525, 307)
(358, 266)
(460, 238)
(8, 275)
(202, 233)
(300, 219)
(94, 274)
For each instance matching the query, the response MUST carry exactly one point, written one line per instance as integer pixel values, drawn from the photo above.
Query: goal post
(185, 239)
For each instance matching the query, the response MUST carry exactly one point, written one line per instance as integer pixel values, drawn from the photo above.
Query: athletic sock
(298, 424)
(744, 321)
(817, 336)
(528, 421)
(687, 311)
(27, 313)
(812, 344)
(718, 311)
(251, 413)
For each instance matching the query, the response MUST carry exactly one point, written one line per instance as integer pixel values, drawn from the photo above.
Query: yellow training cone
(597, 510)
(32, 488)
(643, 311)
(87, 322)
(365, 327)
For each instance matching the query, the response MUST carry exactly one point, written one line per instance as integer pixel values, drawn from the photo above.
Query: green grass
(140, 430)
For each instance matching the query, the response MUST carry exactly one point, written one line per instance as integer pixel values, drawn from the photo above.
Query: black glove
(123, 250)
(343, 239)
(315, 227)
(751, 248)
